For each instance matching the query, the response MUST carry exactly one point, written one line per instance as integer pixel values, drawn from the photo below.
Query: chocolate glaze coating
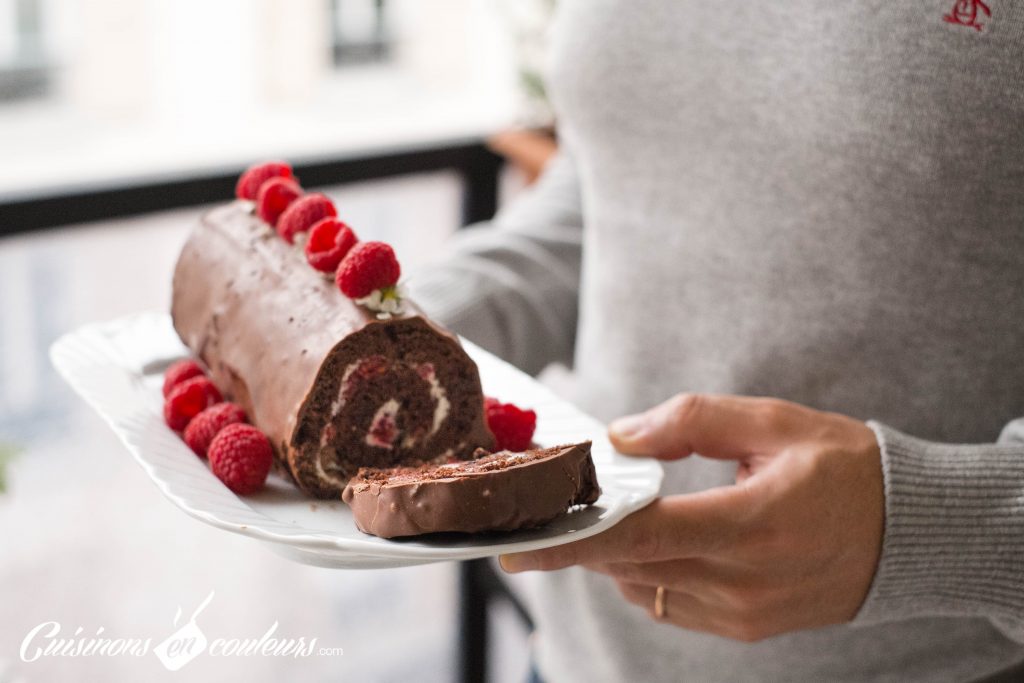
(498, 492)
(278, 337)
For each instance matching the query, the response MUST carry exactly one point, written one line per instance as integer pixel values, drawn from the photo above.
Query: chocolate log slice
(497, 492)
(333, 386)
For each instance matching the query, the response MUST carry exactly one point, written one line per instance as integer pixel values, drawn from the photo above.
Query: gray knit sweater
(822, 202)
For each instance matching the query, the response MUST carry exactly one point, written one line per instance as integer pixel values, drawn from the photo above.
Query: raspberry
(249, 182)
(275, 196)
(207, 424)
(302, 214)
(187, 400)
(329, 241)
(241, 456)
(179, 372)
(512, 426)
(368, 266)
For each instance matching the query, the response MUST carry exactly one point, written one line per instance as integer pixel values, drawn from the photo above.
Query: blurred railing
(477, 166)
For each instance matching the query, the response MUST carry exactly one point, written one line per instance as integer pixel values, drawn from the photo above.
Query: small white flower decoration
(386, 301)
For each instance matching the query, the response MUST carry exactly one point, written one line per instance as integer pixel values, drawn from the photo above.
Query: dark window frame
(375, 50)
(30, 73)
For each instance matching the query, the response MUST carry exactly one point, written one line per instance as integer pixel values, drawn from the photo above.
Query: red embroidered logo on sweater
(967, 13)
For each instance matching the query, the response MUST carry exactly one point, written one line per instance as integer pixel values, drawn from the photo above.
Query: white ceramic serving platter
(117, 368)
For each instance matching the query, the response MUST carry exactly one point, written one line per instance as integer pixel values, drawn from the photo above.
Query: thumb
(730, 427)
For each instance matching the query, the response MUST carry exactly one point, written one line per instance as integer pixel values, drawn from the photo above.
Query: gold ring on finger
(660, 610)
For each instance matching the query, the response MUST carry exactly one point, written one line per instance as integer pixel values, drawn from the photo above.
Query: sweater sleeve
(954, 531)
(511, 285)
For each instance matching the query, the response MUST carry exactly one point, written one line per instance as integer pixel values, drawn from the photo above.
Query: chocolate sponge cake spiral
(333, 385)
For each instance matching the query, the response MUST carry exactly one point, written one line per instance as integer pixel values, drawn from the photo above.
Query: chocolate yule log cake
(348, 387)
(333, 383)
(496, 492)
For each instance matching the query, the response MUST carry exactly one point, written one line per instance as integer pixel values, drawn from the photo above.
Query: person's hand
(792, 545)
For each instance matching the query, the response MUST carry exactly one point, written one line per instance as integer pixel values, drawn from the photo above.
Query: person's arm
(797, 542)
(511, 285)
(954, 531)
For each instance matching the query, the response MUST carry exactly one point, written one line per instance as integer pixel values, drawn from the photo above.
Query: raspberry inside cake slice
(394, 393)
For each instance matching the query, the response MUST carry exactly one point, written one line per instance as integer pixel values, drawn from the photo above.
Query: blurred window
(361, 32)
(24, 70)
(133, 89)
